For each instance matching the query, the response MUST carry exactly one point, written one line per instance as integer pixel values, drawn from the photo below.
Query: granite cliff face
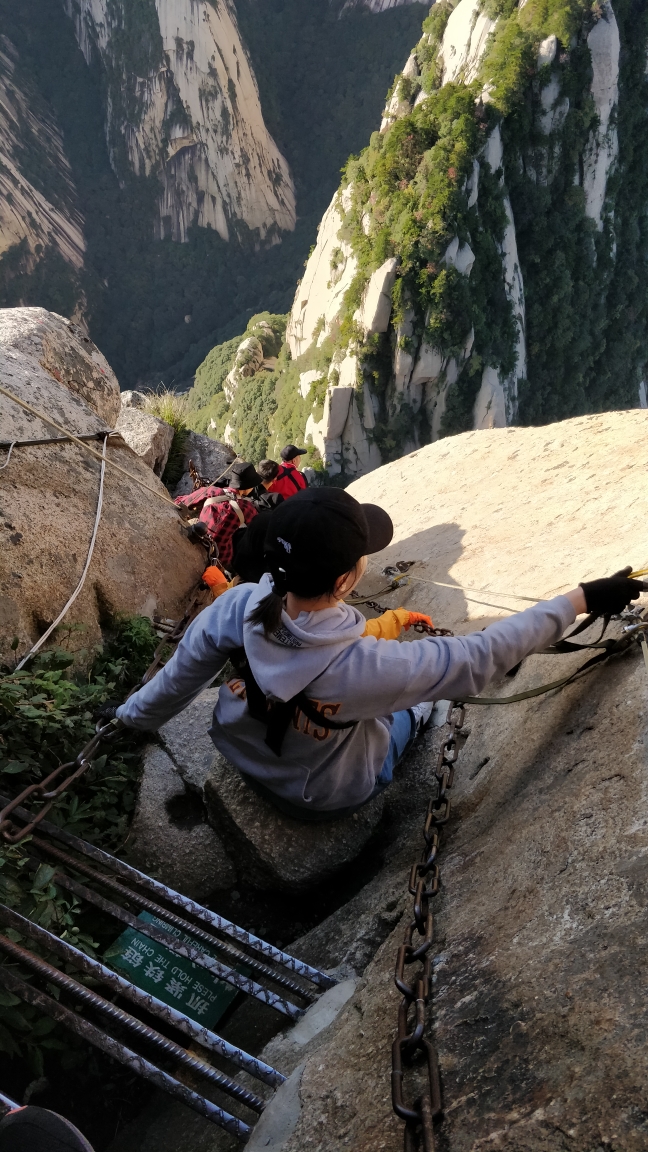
(448, 284)
(537, 1004)
(376, 5)
(183, 101)
(38, 200)
(128, 123)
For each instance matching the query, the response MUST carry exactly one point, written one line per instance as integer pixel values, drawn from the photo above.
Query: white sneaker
(421, 713)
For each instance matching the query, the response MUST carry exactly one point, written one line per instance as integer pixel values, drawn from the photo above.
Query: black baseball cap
(290, 451)
(243, 475)
(318, 535)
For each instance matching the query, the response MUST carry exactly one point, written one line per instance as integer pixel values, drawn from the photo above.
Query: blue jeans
(401, 739)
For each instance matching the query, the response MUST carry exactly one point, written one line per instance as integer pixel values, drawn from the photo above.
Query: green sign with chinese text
(177, 981)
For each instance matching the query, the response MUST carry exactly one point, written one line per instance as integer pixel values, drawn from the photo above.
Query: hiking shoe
(421, 713)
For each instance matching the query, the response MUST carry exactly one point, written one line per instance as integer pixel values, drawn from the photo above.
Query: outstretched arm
(199, 657)
(400, 675)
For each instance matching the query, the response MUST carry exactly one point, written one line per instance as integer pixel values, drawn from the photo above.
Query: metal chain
(411, 1048)
(48, 789)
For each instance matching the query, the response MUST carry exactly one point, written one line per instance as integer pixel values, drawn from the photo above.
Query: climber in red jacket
(289, 479)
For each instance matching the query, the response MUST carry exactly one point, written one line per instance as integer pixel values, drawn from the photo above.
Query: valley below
(406, 245)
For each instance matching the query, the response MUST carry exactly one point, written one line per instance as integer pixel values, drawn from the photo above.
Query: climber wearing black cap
(243, 477)
(318, 714)
(289, 480)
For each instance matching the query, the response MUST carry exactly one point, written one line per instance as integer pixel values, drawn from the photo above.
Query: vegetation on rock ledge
(46, 717)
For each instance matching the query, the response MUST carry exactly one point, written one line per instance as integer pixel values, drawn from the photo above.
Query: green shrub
(46, 717)
(169, 406)
(174, 409)
(255, 401)
(255, 405)
(288, 424)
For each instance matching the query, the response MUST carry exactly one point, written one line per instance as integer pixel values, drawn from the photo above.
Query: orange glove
(418, 618)
(389, 625)
(216, 580)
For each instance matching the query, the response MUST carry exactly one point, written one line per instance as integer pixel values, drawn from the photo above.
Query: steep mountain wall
(376, 5)
(482, 263)
(156, 307)
(537, 1004)
(39, 213)
(536, 1008)
(181, 99)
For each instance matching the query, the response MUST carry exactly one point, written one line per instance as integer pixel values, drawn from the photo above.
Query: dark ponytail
(309, 587)
(268, 611)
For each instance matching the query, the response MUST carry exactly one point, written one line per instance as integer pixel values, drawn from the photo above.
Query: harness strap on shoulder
(289, 473)
(277, 715)
(239, 512)
(232, 503)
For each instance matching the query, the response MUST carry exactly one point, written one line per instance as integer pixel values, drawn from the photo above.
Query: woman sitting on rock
(318, 715)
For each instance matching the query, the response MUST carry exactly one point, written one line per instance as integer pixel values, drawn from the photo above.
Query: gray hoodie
(349, 676)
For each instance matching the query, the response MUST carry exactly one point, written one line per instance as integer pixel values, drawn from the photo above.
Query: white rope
(46, 635)
(11, 448)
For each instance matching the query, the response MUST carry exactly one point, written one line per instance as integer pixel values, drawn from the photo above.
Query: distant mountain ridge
(39, 209)
(181, 99)
(483, 261)
(170, 197)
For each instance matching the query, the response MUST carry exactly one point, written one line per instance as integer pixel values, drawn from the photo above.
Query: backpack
(223, 513)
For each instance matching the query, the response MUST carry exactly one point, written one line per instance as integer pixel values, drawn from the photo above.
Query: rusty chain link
(47, 789)
(412, 1046)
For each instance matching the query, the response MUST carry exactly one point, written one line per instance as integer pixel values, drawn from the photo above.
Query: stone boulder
(210, 458)
(38, 347)
(375, 309)
(186, 740)
(142, 560)
(148, 436)
(169, 837)
(132, 399)
(273, 851)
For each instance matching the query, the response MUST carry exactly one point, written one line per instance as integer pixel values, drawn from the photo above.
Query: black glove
(197, 532)
(107, 712)
(611, 595)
